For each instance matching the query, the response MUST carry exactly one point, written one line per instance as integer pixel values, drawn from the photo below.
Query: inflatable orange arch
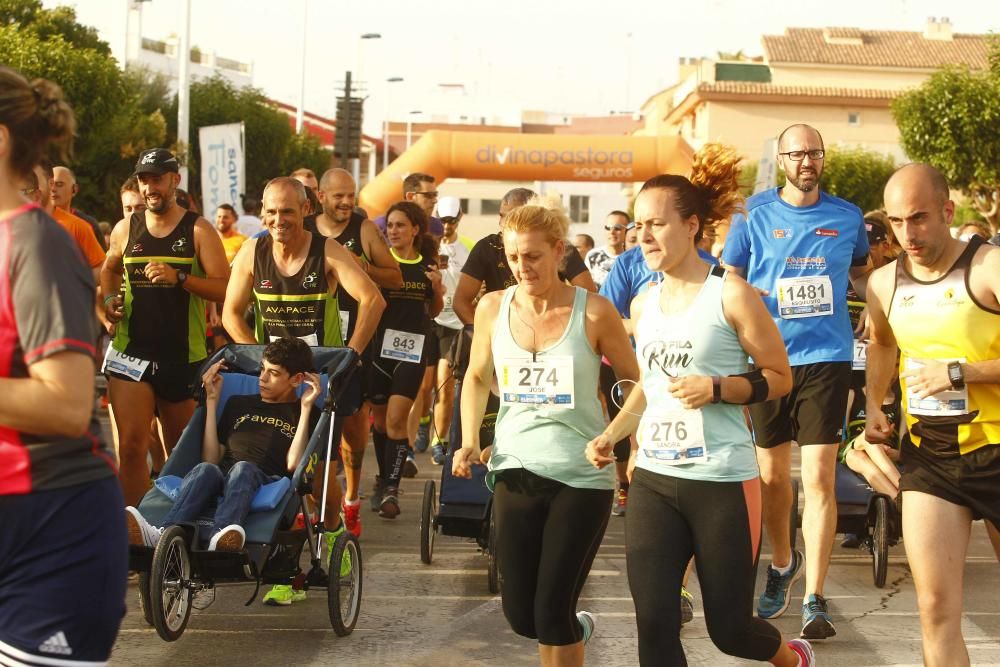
(528, 157)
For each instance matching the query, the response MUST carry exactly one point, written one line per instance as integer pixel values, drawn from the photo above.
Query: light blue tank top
(545, 439)
(698, 341)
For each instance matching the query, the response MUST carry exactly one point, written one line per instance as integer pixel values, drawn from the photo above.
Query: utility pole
(347, 144)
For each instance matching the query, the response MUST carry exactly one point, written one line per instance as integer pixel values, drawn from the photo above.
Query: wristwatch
(182, 277)
(956, 375)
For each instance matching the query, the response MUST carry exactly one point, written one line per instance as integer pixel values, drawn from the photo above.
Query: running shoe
(377, 490)
(687, 606)
(331, 538)
(389, 507)
(283, 595)
(423, 436)
(774, 600)
(816, 623)
(805, 652)
(352, 517)
(410, 466)
(588, 623)
(851, 541)
(621, 500)
(140, 532)
(230, 538)
(437, 454)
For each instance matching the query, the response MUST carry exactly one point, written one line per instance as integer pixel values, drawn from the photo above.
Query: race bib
(544, 381)
(860, 355)
(808, 296)
(312, 340)
(675, 437)
(345, 321)
(946, 403)
(402, 346)
(117, 362)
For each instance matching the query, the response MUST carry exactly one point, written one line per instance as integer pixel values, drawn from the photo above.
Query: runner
(600, 260)
(338, 220)
(63, 556)
(551, 507)
(798, 246)
(225, 223)
(447, 328)
(419, 188)
(939, 306)
(174, 261)
(401, 348)
(696, 491)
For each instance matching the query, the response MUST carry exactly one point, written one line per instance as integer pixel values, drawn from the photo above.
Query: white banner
(767, 168)
(223, 168)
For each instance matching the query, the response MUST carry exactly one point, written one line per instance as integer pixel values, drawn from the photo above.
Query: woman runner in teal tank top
(544, 340)
(694, 482)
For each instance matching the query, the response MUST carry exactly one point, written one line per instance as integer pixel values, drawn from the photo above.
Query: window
(490, 207)
(463, 204)
(853, 119)
(579, 208)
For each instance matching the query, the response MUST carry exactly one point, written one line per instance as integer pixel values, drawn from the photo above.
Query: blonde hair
(542, 213)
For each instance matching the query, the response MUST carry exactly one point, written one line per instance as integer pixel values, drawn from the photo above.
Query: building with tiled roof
(840, 79)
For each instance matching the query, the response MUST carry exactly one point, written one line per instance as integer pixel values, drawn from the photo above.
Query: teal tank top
(542, 437)
(698, 341)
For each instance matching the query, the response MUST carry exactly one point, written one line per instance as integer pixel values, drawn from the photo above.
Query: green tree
(952, 121)
(112, 127)
(857, 175)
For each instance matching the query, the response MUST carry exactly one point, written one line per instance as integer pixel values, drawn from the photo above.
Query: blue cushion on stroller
(267, 497)
(464, 491)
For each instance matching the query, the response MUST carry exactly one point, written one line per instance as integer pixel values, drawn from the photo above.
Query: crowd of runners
(665, 377)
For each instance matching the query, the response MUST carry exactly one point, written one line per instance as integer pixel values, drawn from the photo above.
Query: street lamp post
(409, 127)
(356, 162)
(385, 121)
(184, 89)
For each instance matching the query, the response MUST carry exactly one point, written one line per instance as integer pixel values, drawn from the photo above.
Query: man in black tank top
(171, 262)
(338, 220)
(281, 270)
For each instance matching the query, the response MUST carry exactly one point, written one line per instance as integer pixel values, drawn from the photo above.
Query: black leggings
(547, 536)
(669, 520)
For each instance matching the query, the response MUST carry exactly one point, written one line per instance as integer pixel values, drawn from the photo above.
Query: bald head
(800, 131)
(920, 212)
(920, 176)
(336, 195)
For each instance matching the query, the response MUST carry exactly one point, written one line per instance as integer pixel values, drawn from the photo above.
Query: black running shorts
(971, 480)
(812, 413)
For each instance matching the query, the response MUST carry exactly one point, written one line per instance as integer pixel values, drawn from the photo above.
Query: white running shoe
(230, 538)
(140, 532)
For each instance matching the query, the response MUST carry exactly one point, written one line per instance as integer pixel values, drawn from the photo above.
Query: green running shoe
(331, 539)
(283, 595)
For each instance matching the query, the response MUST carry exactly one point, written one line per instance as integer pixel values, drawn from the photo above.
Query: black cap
(156, 161)
(876, 231)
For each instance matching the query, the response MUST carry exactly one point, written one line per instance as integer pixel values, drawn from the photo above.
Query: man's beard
(801, 183)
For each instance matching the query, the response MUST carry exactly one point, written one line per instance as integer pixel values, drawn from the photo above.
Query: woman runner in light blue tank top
(695, 489)
(544, 340)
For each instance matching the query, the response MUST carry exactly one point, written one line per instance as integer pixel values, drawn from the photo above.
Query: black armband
(758, 386)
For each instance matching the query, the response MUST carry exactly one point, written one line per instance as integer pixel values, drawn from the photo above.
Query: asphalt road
(443, 614)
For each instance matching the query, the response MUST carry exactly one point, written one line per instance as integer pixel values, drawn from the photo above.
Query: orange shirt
(81, 232)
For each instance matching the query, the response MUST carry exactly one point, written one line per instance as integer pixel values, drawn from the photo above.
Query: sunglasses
(449, 220)
(432, 194)
(27, 192)
(619, 228)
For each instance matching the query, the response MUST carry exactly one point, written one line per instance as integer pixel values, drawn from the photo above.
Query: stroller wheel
(880, 539)
(428, 515)
(169, 584)
(343, 593)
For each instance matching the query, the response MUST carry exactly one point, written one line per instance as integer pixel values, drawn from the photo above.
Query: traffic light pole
(345, 156)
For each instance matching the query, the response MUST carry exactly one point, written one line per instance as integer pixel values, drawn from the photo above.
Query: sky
(565, 56)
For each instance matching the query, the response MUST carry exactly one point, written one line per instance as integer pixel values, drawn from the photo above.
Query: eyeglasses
(798, 156)
(430, 194)
(619, 228)
(27, 192)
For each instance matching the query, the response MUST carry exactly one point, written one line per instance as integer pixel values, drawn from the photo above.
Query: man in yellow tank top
(939, 306)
